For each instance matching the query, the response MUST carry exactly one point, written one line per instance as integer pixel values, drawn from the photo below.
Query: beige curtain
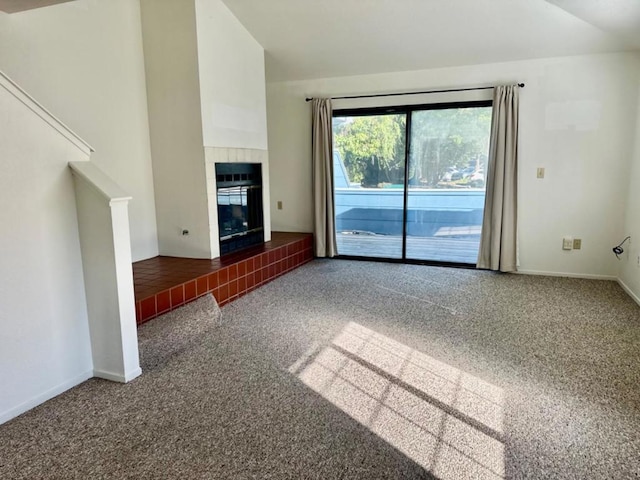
(498, 240)
(322, 155)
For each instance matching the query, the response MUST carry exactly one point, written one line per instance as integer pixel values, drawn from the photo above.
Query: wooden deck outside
(440, 249)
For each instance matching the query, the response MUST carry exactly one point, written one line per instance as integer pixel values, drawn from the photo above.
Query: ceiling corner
(14, 6)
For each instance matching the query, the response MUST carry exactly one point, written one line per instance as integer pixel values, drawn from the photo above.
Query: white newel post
(103, 220)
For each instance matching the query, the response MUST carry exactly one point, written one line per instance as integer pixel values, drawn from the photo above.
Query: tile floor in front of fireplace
(164, 283)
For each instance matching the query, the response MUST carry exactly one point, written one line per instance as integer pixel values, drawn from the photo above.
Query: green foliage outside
(449, 147)
(372, 148)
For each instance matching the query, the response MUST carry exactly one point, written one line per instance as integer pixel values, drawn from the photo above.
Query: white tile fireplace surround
(215, 155)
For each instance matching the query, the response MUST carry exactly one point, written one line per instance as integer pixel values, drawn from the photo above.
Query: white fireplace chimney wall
(207, 103)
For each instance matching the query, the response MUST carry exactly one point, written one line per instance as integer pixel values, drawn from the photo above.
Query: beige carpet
(363, 370)
(177, 331)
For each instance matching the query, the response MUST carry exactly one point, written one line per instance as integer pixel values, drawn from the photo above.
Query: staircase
(67, 308)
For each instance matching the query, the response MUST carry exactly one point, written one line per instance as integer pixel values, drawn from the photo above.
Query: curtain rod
(308, 99)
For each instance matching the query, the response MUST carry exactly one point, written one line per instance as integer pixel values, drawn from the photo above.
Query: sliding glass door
(447, 165)
(369, 167)
(409, 181)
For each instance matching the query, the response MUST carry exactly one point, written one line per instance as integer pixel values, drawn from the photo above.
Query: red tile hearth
(164, 283)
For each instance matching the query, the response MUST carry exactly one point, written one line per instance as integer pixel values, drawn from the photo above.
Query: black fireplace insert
(240, 214)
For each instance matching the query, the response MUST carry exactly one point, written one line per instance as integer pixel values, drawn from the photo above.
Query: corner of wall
(629, 270)
(175, 123)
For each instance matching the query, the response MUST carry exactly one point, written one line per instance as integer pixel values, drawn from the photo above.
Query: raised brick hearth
(164, 283)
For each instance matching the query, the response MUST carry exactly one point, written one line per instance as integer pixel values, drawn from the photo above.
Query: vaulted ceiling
(13, 6)
(324, 38)
(315, 39)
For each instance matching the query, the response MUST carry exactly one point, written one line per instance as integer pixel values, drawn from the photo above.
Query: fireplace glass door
(240, 210)
(237, 212)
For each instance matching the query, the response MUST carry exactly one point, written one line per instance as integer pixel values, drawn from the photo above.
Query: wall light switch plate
(567, 243)
(279, 204)
(577, 243)
(540, 172)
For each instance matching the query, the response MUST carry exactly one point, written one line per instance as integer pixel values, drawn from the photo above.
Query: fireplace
(240, 214)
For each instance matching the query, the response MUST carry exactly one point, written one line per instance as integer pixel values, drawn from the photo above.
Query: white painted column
(103, 221)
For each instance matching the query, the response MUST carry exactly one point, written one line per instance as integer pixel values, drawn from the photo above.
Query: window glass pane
(369, 166)
(447, 168)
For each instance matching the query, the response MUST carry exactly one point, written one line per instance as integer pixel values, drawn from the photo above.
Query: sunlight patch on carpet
(444, 419)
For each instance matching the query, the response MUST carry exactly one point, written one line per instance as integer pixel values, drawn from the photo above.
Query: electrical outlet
(567, 243)
(540, 172)
(577, 243)
(279, 204)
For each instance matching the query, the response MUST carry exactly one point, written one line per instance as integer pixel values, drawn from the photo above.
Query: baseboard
(629, 291)
(132, 374)
(43, 397)
(117, 377)
(586, 276)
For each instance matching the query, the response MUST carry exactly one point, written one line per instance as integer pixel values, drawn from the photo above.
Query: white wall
(577, 120)
(173, 89)
(44, 334)
(233, 101)
(629, 273)
(232, 80)
(207, 100)
(83, 61)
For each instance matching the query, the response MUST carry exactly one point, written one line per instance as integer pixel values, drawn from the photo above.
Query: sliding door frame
(407, 110)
